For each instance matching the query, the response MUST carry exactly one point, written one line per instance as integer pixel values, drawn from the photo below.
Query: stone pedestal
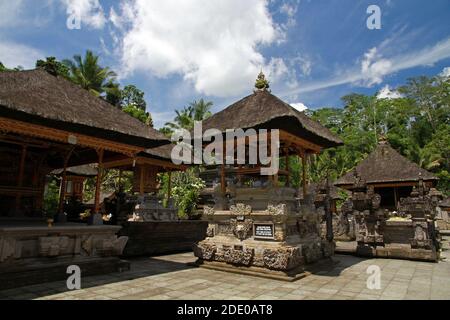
(264, 233)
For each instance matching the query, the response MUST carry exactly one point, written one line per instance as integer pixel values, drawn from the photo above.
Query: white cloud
(13, 54)
(212, 44)
(161, 118)
(299, 106)
(374, 67)
(445, 73)
(10, 11)
(387, 93)
(90, 12)
(290, 10)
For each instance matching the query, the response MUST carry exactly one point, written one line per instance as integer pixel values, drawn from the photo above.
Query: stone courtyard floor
(169, 277)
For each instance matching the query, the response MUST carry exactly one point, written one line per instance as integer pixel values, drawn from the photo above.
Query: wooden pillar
(98, 184)
(62, 189)
(169, 186)
(22, 166)
(141, 180)
(120, 179)
(304, 175)
(20, 177)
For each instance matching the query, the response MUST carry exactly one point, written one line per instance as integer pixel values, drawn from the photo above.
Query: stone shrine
(409, 233)
(256, 223)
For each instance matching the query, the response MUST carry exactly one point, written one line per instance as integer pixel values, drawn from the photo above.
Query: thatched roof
(264, 110)
(37, 97)
(88, 170)
(163, 152)
(385, 165)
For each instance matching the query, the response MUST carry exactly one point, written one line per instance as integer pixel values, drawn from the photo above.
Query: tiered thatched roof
(264, 110)
(37, 97)
(385, 165)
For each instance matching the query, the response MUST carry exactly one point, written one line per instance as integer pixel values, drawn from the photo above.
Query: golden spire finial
(262, 83)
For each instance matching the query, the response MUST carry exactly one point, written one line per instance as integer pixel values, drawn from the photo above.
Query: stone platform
(161, 237)
(35, 254)
(170, 278)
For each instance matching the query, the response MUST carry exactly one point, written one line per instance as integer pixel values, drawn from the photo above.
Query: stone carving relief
(238, 257)
(241, 209)
(224, 229)
(53, 246)
(112, 246)
(242, 229)
(282, 259)
(208, 211)
(279, 212)
(205, 251)
(421, 238)
(210, 232)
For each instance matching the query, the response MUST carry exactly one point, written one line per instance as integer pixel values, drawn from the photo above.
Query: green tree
(87, 73)
(54, 67)
(3, 68)
(139, 114)
(186, 188)
(131, 95)
(195, 111)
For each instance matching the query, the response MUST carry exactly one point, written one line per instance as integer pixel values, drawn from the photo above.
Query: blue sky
(313, 52)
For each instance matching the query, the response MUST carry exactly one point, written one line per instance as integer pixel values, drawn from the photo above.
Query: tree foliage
(417, 125)
(132, 96)
(54, 67)
(139, 114)
(186, 188)
(87, 73)
(185, 119)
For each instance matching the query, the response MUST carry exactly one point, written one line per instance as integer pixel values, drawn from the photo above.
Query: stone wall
(31, 255)
(160, 237)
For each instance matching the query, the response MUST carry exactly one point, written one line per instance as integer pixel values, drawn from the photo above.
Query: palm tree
(196, 111)
(87, 73)
(201, 110)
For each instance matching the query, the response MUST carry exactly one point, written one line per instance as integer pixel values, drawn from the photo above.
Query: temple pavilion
(390, 174)
(299, 135)
(257, 225)
(48, 123)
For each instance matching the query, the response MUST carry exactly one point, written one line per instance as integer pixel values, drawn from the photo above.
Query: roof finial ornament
(382, 140)
(262, 84)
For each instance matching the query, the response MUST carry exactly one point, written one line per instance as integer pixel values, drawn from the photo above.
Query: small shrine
(409, 233)
(390, 174)
(257, 223)
(391, 199)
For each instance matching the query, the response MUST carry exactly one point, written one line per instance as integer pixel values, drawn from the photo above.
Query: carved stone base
(398, 252)
(291, 275)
